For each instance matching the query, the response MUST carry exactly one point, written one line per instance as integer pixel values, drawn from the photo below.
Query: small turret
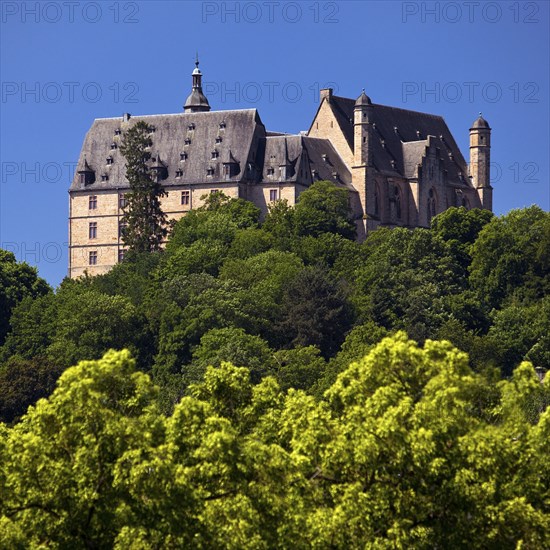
(362, 146)
(87, 175)
(196, 102)
(480, 161)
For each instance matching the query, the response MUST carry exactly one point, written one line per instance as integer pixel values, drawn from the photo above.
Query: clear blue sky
(64, 64)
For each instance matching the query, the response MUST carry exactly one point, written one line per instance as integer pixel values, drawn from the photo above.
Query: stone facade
(401, 167)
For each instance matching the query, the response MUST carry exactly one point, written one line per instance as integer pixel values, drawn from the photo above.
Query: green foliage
(315, 311)
(511, 258)
(242, 212)
(324, 208)
(89, 323)
(22, 383)
(404, 454)
(406, 280)
(143, 217)
(232, 345)
(17, 281)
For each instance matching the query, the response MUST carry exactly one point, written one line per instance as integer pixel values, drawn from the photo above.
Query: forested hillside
(345, 421)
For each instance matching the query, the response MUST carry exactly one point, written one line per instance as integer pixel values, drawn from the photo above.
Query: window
(109, 160)
(122, 200)
(273, 195)
(92, 203)
(210, 172)
(83, 178)
(122, 229)
(179, 173)
(187, 141)
(222, 125)
(219, 139)
(114, 145)
(191, 126)
(270, 171)
(92, 258)
(121, 255)
(431, 204)
(104, 177)
(92, 230)
(215, 154)
(397, 203)
(185, 197)
(183, 156)
(214, 191)
(117, 132)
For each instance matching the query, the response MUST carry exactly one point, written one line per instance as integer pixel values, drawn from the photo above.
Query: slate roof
(311, 159)
(401, 136)
(196, 136)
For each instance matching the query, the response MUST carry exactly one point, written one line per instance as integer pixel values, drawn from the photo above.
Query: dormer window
(183, 156)
(114, 145)
(187, 141)
(118, 132)
(109, 160)
(325, 158)
(392, 162)
(215, 154)
(222, 125)
(418, 134)
(191, 126)
(210, 172)
(270, 171)
(219, 139)
(152, 129)
(104, 177)
(179, 173)
(383, 143)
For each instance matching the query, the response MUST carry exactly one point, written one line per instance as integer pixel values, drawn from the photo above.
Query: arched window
(432, 207)
(397, 194)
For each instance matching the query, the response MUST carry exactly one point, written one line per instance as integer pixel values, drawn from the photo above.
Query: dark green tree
(324, 208)
(17, 280)
(145, 222)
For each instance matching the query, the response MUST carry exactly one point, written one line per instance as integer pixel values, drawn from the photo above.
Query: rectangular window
(121, 230)
(92, 259)
(273, 195)
(92, 230)
(121, 255)
(185, 196)
(122, 200)
(92, 204)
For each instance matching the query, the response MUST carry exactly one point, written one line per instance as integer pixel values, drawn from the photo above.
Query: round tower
(480, 161)
(362, 123)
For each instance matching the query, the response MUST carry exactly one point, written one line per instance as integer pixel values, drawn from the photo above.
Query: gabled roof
(394, 129)
(311, 159)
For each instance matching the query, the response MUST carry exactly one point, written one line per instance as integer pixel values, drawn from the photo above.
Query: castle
(401, 167)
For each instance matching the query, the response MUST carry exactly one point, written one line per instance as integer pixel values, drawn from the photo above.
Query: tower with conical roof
(362, 169)
(480, 161)
(196, 101)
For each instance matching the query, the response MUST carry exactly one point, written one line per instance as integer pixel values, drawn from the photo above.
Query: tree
(511, 258)
(145, 222)
(324, 208)
(17, 280)
(22, 383)
(315, 311)
(244, 213)
(233, 345)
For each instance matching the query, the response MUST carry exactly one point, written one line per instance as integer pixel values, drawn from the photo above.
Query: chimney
(326, 92)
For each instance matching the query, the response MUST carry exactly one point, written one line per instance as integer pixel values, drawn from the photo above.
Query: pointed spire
(197, 100)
